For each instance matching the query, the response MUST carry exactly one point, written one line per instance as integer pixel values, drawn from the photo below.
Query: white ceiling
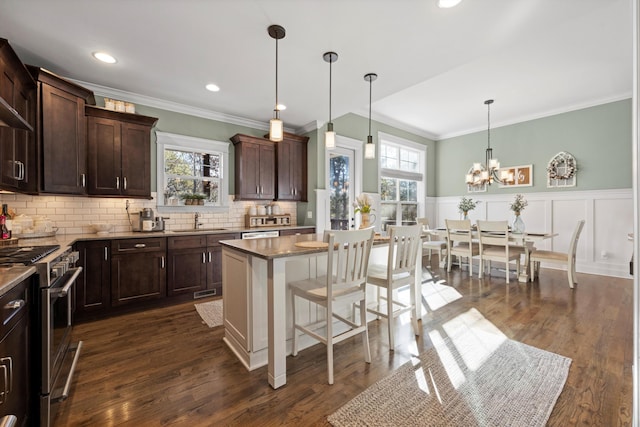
(435, 66)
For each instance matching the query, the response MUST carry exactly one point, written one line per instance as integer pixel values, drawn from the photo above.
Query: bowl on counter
(102, 228)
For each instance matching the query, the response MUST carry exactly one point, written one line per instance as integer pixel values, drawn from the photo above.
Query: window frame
(165, 140)
(399, 174)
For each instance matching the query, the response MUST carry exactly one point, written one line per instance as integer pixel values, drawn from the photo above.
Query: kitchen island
(257, 304)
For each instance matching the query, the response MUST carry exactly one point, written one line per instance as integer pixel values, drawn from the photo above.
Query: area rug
(211, 312)
(515, 385)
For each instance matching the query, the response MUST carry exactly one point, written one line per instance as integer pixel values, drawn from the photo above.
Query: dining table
(525, 240)
(265, 263)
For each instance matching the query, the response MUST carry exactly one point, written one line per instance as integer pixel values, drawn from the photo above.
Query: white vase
(518, 225)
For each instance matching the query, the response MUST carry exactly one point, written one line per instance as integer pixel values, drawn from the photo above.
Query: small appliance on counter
(145, 221)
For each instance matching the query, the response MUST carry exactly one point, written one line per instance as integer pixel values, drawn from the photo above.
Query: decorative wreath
(570, 166)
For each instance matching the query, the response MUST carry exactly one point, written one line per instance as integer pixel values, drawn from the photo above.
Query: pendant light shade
(370, 147)
(330, 135)
(276, 128)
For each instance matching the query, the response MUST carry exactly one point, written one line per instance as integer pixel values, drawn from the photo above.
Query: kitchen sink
(197, 230)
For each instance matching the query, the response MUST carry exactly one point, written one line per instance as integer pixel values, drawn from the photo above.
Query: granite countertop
(10, 277)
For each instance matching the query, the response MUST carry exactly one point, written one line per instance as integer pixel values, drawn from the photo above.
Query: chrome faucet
(196, 224)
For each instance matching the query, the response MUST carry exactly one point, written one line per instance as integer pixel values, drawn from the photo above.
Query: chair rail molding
(603, 249)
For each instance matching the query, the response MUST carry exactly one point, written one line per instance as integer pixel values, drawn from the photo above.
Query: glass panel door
(341, 188)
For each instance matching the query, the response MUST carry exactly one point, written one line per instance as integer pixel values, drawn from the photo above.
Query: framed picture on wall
(522, 176)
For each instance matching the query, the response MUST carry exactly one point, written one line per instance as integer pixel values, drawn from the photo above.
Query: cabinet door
(214, 272)
(136, 160)
(248, 175)
(63, 137)
(93, 289)
(284, 169)
(104, 146)
(14, 368)
(267, 172)
(138, 277)
(10, 169)
(186, 270)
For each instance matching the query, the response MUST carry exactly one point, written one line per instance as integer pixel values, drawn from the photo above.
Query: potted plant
(466, 204)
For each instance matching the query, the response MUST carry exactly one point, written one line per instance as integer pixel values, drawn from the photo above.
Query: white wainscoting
(603, 247)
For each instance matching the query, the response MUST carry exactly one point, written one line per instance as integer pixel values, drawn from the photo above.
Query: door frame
(354, 145)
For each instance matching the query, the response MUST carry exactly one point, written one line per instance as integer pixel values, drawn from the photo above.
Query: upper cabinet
(18, 171)
(119, 153)
(61, 133)
(255, 168)
(292, 168)
(271, 171)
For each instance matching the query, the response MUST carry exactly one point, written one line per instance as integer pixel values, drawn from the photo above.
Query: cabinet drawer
(8, 302)
(184, 242)
(138, 245)
(213, 239)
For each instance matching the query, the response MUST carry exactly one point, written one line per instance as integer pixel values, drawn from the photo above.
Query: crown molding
(310, 127)
(522, 119)
(175, 107)
(396, 124)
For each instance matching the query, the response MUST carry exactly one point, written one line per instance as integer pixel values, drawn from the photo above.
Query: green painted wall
(598, 137)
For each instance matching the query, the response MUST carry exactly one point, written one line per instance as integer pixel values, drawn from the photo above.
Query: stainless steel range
(56, 276)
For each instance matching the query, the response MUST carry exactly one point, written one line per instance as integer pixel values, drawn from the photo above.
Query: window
(401, 180)
(191, 171)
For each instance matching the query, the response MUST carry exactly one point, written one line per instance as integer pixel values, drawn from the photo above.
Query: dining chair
(399, 271)
(460, 242)
(343, 285)
(567, 258)
(494, 246)
(440, 246)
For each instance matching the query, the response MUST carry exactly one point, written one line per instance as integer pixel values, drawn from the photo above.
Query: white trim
(635, 143)
(177, 141)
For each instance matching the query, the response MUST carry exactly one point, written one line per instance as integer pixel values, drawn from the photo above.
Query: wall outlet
(309, 214)
(604, 255)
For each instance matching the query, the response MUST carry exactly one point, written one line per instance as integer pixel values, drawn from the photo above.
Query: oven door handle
(63, 291)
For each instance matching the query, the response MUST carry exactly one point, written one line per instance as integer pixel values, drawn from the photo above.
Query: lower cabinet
(195, 264)
(15, 383)
(138, 270)
(93, 290)
(297, 231)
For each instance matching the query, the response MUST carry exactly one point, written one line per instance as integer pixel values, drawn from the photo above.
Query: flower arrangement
(518, 204)
(363, 204)
(466, 205)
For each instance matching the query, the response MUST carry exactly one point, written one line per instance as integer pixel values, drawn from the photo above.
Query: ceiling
(435, 67)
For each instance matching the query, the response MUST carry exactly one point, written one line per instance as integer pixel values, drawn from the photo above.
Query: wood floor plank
(164, 367)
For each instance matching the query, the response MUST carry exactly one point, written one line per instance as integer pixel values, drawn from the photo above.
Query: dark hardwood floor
(165, 367)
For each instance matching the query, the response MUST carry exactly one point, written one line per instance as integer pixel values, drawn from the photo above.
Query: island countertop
(275, 247)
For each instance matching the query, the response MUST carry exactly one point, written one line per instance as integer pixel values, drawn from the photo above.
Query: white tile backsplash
(73, 214)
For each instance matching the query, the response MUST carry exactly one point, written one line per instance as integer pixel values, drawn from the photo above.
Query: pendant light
(370, 147)
(330, 135)
(276, 128)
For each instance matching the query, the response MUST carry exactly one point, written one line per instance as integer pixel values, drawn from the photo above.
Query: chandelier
(487, 173)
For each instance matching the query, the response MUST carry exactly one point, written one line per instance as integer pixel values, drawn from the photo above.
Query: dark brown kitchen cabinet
(292, 168)
(297, 231)
(15, 357)
(214, 273)
(18, 171)
(93, 290)
(195, 264)
(119, 153)
(187, 262)
(255, 168)
(61, 133)
(138, 270)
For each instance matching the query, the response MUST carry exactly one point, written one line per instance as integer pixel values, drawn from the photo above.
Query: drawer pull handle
(8, 361)
(12, 305)
(117, 182)
(162, 261)
(140, 245)
(203, 258)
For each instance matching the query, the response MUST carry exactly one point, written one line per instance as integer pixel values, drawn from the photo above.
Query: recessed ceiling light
(281, 107)
(104, 57)
(212, 87)
(445, 4)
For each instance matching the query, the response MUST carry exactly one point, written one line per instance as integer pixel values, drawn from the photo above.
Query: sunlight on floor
(438, 294)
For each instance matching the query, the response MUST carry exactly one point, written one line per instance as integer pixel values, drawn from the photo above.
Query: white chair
(494, 246)
(342, 286)
(460, 242)
(399, 271)
(567, 258)
(440, 246)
